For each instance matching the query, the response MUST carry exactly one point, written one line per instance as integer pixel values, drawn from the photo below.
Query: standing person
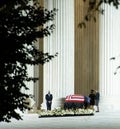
(48, 98)
(92, 98)
(87, 101)
(97, 99)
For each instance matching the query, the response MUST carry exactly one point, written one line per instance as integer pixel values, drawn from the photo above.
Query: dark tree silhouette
(21, 24)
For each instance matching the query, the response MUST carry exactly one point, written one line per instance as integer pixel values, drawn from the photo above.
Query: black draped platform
(73, 105)
(69, 115)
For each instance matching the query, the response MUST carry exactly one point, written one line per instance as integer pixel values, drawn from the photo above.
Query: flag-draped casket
(74, 101)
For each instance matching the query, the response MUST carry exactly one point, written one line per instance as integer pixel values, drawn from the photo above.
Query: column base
(56, 103)
(108, 104)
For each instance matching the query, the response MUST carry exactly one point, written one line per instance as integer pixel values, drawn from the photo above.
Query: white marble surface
(100, 120)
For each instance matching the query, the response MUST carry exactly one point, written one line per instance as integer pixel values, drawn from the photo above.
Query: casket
(74, 101)
(75, 98)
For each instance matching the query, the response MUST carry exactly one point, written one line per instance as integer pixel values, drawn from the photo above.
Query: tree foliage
(94, 6)
(22, 23)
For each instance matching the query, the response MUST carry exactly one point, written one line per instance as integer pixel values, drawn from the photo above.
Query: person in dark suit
(49, 98)
(92, 98)
(97, 99)
(86, 102)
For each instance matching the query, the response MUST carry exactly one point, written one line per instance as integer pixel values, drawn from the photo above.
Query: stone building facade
(84, 56)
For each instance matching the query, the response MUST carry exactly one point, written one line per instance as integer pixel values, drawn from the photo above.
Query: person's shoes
(97, 111)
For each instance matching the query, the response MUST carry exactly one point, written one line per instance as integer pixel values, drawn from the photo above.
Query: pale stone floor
(101, 120)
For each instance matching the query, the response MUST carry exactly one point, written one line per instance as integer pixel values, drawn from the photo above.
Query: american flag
(74, 98)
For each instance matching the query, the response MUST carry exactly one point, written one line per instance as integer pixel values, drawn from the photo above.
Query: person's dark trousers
(48, 106)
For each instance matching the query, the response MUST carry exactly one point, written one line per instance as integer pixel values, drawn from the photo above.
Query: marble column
(30, 85)
(58, 74)
(86, 51)
(109, 47)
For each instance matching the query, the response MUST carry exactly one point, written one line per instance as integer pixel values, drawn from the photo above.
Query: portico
(83, 62)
